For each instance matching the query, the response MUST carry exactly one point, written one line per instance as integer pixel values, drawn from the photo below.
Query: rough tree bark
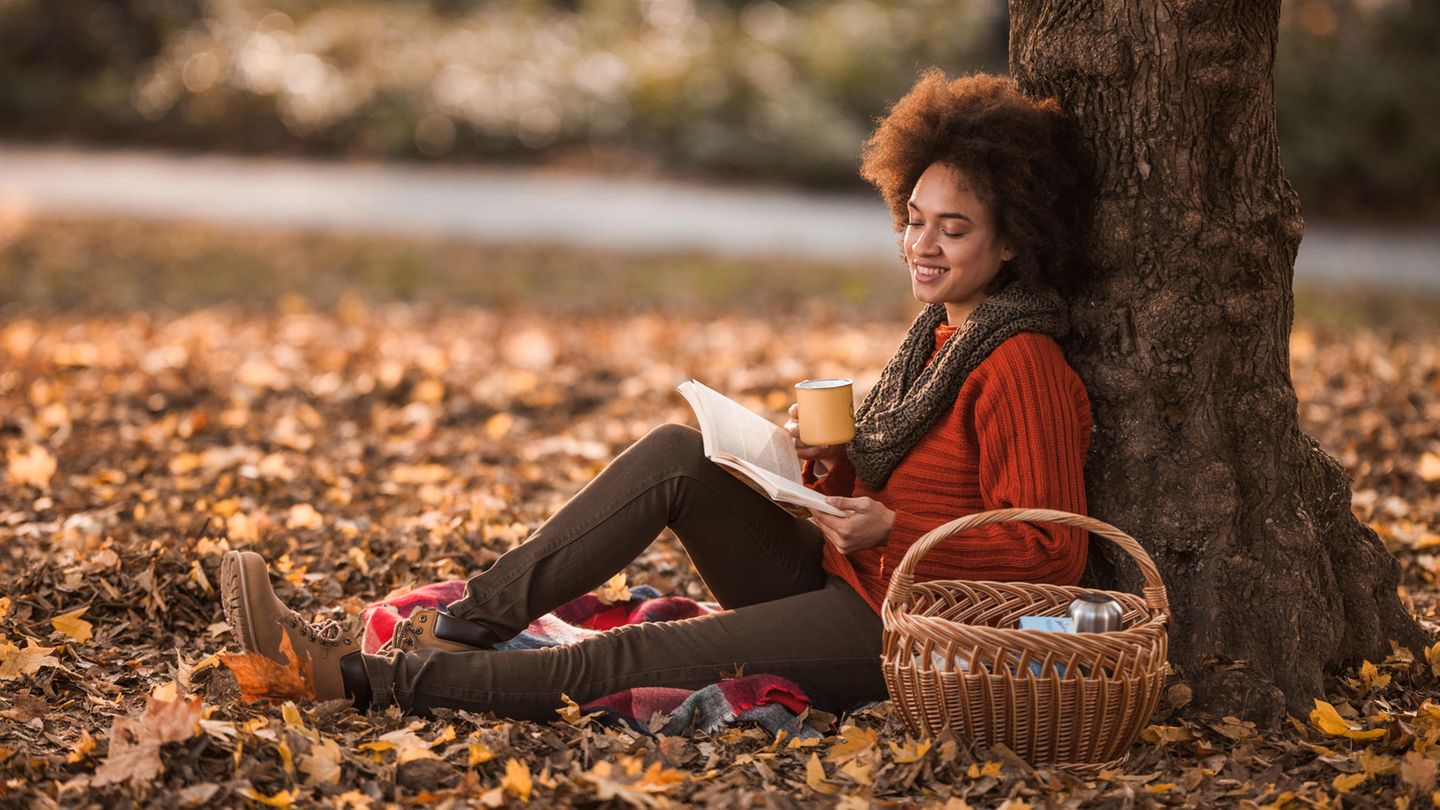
(1182, 337)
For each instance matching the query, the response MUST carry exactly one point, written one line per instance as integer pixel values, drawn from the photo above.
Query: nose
(923, 242)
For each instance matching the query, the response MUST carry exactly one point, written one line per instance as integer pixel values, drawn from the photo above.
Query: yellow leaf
(1370, 674)
(1346, 782)
(570, 712)
(82, 749)
(1378, 764)
(480, 753)
(282, 799)
(15, 662)
(858, 772)
(911, 752)
(614, 590)
(1429, 467)
(815, 775)
(5, 608)
(853, 740)
(303, 516)
(197, 576)
(446, 735)
(290, 713)
(658, 778)
(362, 561)
(977, 771)
(72, 626)
(241, 528)
(498, 425)
(516, 780)
(322, 764)
(33, 467)
(1432, 655)
(287, 758)
(352, 800)
(1160, 787)
(1166, 734)
(1327, 719)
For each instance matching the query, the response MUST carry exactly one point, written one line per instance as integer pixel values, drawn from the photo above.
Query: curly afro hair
(1020, 155)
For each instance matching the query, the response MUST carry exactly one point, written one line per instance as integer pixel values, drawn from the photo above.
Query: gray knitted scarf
(910, 396)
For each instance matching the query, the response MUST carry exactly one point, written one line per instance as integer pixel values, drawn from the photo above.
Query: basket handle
(904, 577)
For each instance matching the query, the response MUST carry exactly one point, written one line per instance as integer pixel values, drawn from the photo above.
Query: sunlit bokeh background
(738, 95)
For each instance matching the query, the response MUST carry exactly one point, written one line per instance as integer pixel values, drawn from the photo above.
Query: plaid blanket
(772, 702)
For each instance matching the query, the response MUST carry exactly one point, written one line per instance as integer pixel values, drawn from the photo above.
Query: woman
(977, 410)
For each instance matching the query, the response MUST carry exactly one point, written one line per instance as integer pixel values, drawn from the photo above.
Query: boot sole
(235, 600)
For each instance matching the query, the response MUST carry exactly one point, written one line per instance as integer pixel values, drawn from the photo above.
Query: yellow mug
(827, 411)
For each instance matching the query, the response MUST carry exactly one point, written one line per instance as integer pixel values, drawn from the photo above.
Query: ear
(1006, 254)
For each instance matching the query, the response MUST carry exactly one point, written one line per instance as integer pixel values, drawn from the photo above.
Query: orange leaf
(262, 679)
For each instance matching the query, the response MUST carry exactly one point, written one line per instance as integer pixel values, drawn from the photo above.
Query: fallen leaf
(1429, 467)
(1166, 734)
(322, 765)
(135, 742)
(15, 662)
(570, 712)
(1327, 719)
(303, 516)
(910, 752)
(815, 776)
(478, 753)
(614, 590)
(517, 781)
(1371, 676)
(33, 467)
(282, 798)
(82, 749)
(1418, 770)
(72, 626)
(262, 679)
(992, 769)
(1346, 782)
(853, 740)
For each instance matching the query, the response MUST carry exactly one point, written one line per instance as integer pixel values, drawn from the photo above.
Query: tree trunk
(1181, 333)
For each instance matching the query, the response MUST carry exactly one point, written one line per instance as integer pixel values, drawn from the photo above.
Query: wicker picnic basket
(954, 657)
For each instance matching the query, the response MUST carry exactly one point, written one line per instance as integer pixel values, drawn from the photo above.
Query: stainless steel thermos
(1095, 613)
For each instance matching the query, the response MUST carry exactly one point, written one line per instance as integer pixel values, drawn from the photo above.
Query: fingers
(861, 504)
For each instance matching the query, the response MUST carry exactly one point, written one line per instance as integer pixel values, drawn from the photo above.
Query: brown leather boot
(260, 620)
(417, 632)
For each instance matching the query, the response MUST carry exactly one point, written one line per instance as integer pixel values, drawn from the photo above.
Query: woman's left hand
(866, 524)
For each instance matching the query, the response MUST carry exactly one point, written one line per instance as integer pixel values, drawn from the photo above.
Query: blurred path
(500, 205)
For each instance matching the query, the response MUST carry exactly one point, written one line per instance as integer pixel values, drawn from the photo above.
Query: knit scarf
(910, 395)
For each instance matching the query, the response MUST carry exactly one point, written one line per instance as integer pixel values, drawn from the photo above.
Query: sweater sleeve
(1032, 423)
(839, 481)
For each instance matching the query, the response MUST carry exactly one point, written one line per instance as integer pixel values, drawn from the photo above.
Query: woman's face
(950, 243)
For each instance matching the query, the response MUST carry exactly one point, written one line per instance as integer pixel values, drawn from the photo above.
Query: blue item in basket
(1051, 624)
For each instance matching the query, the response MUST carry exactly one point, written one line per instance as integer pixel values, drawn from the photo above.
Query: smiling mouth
(926, 273)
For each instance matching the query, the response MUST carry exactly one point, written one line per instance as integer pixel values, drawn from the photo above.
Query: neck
(955, 314)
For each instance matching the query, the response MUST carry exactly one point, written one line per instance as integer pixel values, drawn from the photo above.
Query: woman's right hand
(825, 454)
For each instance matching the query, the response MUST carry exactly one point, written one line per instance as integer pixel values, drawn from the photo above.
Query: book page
(735, 430)
(782, 489)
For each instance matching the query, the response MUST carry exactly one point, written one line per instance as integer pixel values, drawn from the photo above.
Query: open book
(751, 446)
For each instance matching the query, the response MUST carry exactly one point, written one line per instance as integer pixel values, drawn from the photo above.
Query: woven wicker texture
(954, 657)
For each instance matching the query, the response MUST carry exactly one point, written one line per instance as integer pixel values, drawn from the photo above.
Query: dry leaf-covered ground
(366, 447)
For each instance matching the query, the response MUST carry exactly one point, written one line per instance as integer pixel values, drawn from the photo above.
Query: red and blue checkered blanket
(772, 702)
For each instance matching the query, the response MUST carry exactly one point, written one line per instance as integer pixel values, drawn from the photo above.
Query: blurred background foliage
(749, 89)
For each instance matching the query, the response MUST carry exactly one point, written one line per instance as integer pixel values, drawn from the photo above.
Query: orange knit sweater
(1016, 437)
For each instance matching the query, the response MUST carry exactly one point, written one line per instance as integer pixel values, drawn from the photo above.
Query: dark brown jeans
(783, 615)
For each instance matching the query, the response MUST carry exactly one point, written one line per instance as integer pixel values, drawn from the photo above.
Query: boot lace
(328, 632)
